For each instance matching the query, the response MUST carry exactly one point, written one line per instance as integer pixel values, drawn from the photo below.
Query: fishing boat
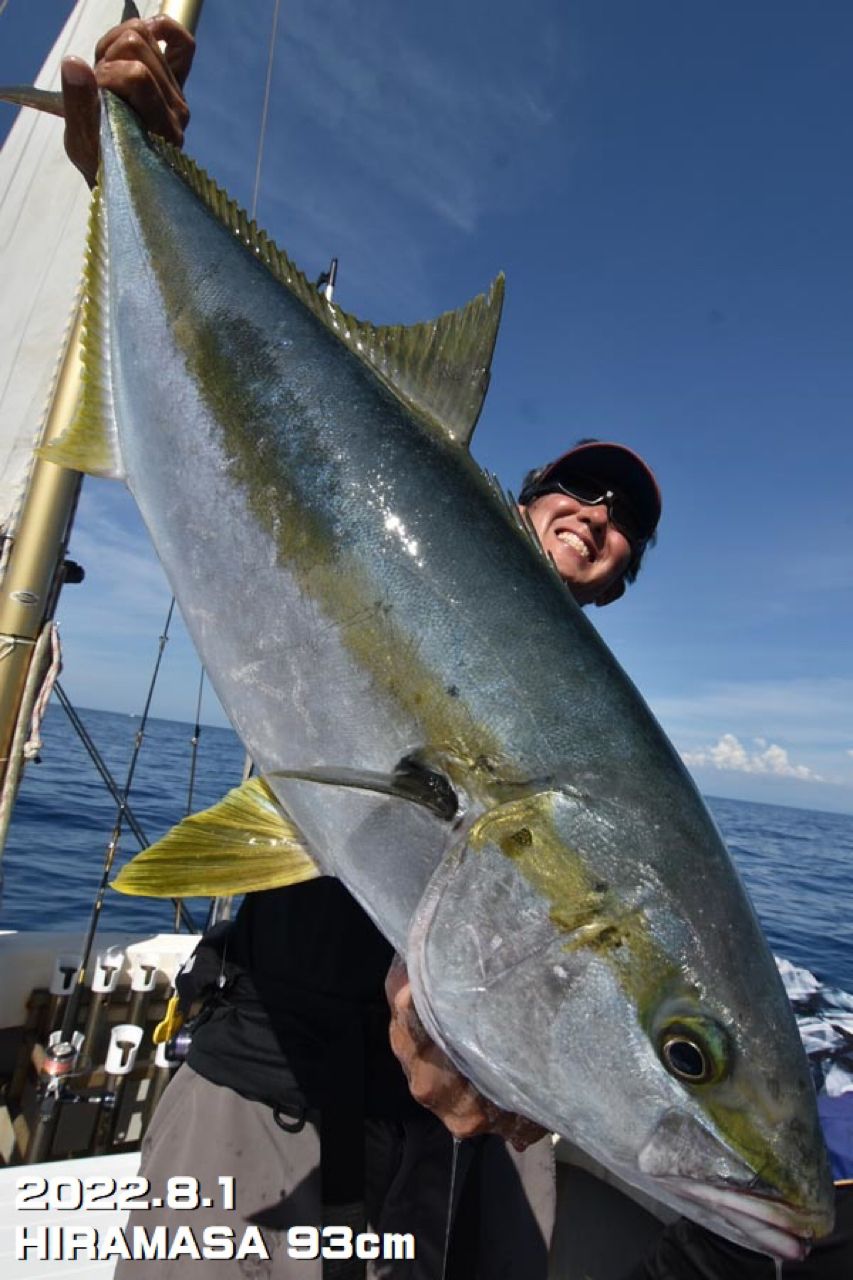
(81, 1063)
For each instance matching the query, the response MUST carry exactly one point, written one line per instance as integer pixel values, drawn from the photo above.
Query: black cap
(617, 467)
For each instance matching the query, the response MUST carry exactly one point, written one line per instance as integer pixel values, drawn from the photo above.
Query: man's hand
(129, 61)
(434, 1081)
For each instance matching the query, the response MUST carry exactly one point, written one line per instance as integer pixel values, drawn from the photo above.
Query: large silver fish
(431, 707)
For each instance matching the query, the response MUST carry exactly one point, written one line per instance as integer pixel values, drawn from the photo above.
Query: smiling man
(595, 511)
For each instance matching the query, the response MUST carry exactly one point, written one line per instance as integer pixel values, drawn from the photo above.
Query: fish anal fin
(243, 844)
(90, 443)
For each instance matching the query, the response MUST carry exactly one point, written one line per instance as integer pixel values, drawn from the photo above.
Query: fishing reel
(175, 1050)
(61, 1064)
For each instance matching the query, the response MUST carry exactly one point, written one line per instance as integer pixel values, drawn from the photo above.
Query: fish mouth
(693, 1170)
(758, 1222)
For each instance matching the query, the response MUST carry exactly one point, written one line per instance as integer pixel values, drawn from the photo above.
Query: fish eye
(684, 1059)
(694, 1053)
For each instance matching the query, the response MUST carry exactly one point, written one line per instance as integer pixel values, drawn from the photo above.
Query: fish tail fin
(23, 95)
(439, 369)
(90, 442)
(243, 844)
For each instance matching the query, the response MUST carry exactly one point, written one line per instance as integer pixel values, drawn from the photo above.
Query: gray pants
(503, 1202)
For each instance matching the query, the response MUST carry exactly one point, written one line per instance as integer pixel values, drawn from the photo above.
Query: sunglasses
(590, 493)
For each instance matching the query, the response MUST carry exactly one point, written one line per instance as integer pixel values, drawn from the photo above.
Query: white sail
(43, 204)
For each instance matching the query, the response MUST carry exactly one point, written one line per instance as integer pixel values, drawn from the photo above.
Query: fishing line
(220, 908)
(194, 760)
(265, 110)
(449, 1220)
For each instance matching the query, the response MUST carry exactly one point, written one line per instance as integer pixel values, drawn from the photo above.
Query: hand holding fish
(434, 1081)
(130, 62)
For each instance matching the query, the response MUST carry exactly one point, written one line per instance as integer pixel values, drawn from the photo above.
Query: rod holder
(143, 976)
(108, 967)
(64, 974)
(125, 1040)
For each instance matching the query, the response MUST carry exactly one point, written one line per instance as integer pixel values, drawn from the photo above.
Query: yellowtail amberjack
(432, 709)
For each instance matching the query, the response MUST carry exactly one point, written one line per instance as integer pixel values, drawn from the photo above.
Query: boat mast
(35, 567)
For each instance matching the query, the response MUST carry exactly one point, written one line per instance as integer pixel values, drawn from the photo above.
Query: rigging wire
(265, 110)
(113, 788)
(72, 1004)
(101, 765)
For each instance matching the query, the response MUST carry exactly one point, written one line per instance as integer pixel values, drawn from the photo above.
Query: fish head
(660, 1036)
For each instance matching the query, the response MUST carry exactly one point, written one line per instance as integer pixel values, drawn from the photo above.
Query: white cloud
(729, 753)
(809, 712)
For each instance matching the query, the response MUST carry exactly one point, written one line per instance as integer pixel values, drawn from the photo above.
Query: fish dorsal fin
(90, 442)
(242, 844)
(440, 368)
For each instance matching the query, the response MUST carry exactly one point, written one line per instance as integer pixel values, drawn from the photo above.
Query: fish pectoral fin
(90, 443)
(410, 780)
(242, 844)
(24, 95)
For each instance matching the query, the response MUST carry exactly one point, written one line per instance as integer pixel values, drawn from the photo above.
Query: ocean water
(796, 863)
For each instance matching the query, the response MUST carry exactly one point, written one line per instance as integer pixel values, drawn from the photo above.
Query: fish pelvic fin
(90, 443)
(24, 95)
(438, 369)
(242, 844)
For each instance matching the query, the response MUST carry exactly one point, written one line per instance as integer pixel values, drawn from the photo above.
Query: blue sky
(669, 189)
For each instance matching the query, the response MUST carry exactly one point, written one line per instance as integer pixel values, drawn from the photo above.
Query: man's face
(591, 555)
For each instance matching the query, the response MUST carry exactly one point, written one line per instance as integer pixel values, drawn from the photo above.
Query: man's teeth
(574, 541)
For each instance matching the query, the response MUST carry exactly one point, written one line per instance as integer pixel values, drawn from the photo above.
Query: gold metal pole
(187, 12)
(33, 578)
